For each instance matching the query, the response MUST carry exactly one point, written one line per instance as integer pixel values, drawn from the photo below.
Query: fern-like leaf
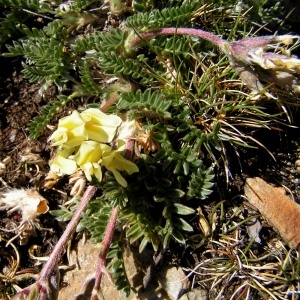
(114, 64)
(113, 191)
(64, 214)
(201, 183)
(88, 85)
(46, 60)
(117, 268)
(176, 226)
(142, 6)
(100, 41)
(46, 114)
(174, 16)
(95, 218)
(21, 4)
(141, 226)
(148, 100)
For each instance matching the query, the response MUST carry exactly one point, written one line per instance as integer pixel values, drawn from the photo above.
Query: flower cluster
(83, 143)
(253, 60)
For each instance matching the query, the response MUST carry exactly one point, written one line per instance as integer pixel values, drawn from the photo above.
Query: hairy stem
(60, 246)
(178, 31)
(105, 244)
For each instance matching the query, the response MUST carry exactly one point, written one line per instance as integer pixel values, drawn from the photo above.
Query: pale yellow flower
(99, 126)
(70, 132)
(115, 162)
(71, 121)
(91, 124)
(90, 151)
(89, 156)
(92, 169)
(61, 164)
(86, 135)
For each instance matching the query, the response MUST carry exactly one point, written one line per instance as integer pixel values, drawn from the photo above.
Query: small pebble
(284, 174)
(297, 165)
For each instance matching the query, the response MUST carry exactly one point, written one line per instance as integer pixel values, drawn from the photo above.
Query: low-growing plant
(165, 103)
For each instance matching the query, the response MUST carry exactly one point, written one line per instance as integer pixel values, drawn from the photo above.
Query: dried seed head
(29, 202)
(145, 142)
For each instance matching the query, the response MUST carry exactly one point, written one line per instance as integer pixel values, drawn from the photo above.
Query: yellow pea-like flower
(71, 121)
(89, 157)
(115, 162)
(61, 164)
(70, 132)
(90, 151)
(85, 136)
(99, 126)
(91, 124)
(92, 169)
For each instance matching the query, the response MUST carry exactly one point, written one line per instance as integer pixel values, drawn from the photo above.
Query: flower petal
(70, 131)
(88, 170)
(96, 116)
(60, 136)
(62, 165)
(100, 126)
(90, 151)
(99, 133)
(118, 162)
(69, 137)
(92, 169)
(76, 136)
(120, 179)
(97, 171)
(71, 121)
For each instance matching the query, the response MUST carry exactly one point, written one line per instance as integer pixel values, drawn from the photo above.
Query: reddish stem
(105, 244)
(60, 246)
(178, 31)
